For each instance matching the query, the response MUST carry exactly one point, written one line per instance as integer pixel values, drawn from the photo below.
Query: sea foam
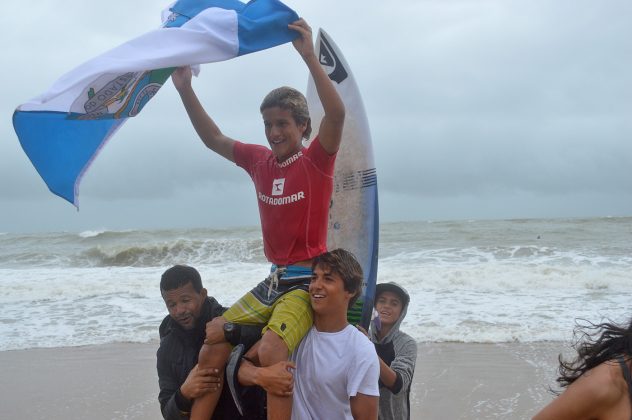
(473, 281)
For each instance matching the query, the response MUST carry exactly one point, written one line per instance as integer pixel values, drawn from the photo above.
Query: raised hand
(181, 77)
(303, 44)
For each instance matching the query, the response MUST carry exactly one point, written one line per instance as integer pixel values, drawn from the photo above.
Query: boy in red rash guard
(294, 187)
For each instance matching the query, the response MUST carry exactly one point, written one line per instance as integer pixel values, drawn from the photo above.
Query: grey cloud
(478, 109)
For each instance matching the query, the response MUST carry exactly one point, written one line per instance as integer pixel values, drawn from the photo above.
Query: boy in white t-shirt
(337, 369)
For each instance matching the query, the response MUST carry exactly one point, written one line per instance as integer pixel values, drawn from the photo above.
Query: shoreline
(119, 381)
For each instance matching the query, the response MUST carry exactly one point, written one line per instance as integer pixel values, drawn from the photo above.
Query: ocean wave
(514, 254)
(498, 276)
(181, 251)
(134, 248)
(91, 233)
(490, 281)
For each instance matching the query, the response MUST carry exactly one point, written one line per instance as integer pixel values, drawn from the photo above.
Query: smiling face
(389, 307)
(327, 292)
(283, 133)
(184, 304)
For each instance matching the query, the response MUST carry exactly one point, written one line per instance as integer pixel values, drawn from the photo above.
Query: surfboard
(353, 213)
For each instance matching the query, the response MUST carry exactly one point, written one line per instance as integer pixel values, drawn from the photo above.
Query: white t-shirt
(331, 368)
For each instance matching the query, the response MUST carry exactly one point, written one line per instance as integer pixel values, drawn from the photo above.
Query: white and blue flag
(63, 129)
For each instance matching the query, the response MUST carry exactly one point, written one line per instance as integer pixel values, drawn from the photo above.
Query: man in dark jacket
(182, 334)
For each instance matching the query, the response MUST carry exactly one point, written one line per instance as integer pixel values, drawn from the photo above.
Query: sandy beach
(119, 381)
(483, 381)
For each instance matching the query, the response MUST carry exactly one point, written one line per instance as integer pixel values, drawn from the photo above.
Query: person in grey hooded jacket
(397, 351)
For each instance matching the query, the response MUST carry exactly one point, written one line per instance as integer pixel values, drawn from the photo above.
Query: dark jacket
(178, 354)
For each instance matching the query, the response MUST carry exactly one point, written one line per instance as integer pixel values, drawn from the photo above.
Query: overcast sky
(478, 109)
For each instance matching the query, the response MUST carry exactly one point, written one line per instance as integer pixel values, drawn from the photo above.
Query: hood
(399, 290)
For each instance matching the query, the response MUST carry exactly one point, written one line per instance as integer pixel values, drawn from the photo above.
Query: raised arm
(206, 128)
(330, 130)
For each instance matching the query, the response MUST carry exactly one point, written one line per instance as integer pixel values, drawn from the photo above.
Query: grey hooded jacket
(399, 351)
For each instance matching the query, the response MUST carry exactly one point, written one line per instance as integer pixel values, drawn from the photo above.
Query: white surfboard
(353, 214)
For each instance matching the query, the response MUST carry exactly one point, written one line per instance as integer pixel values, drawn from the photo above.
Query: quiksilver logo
(329, 58)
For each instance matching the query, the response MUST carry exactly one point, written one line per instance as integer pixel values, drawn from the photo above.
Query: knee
(272, 349)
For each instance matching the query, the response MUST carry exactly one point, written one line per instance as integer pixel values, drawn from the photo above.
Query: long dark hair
(595, 344)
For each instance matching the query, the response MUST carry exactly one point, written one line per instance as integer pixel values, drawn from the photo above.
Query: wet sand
(483, 381)
(119, 381)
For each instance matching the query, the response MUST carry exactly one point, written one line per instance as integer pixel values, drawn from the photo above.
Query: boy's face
(327, 291)
(389, 307)
(184, 304)
(282, 132)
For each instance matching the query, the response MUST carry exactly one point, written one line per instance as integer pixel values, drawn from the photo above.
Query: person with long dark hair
(598, 382)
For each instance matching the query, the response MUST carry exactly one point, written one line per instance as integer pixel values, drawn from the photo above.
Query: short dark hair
(292, 100)
(178, 276)
(345, 264)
